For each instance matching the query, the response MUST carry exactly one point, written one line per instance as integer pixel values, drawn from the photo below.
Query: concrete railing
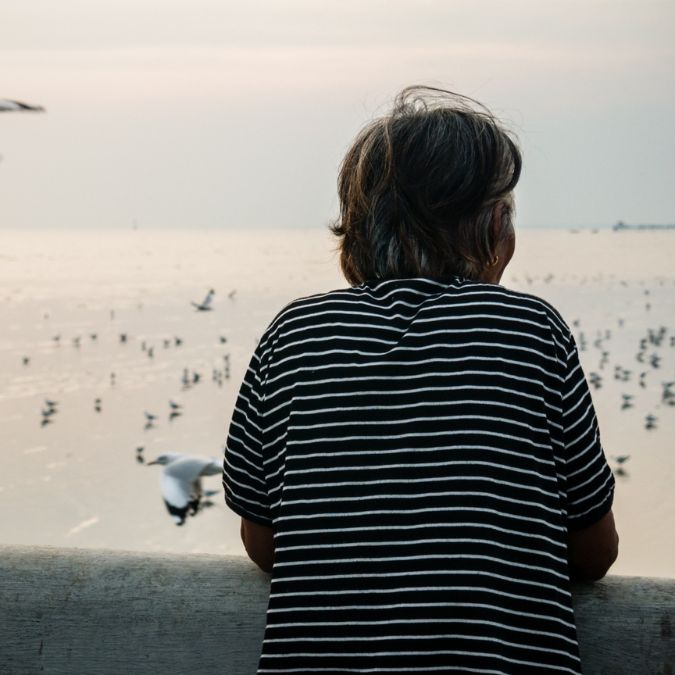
(75, 611)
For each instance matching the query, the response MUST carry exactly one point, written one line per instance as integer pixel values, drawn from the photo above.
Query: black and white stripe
(421, 450)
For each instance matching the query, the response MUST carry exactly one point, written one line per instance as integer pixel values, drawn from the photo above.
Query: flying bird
(176, 410)
(149, 419)
(205, 305)
(8, 105)
(181, 483)
(621, 459)
(650, 422)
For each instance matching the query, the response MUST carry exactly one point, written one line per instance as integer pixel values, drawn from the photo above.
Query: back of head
(418, 189)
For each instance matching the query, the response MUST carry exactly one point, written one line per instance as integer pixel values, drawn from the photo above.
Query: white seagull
(205, 305)
(8, 105)
(181, 483)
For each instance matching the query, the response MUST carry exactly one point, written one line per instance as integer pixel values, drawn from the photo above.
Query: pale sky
(210, 113)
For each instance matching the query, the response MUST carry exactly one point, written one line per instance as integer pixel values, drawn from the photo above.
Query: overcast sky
(210, 113)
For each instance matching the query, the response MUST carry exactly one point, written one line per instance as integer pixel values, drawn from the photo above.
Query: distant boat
(624, 226)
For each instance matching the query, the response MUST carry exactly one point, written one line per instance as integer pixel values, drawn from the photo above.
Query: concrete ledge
(72, 611)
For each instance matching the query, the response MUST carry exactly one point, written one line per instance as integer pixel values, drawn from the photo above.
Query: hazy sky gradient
(210, 113)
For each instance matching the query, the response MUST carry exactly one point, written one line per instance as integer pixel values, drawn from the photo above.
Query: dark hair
(418, 188)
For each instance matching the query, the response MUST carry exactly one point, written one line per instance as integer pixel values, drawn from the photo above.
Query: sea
(101, 324)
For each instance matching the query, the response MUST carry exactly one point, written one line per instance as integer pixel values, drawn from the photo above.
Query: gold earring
(493, 262)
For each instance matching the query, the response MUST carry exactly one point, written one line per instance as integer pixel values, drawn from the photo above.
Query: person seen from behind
(415, 457)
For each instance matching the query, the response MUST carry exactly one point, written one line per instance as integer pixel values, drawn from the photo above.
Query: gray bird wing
(207, 300)
(212, 468)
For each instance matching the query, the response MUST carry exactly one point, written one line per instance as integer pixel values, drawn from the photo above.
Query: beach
(68, 297)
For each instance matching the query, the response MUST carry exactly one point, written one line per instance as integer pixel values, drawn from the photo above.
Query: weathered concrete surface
(74, 611)
(625, 626)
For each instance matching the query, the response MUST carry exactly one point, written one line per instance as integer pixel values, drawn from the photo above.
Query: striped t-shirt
(420, 449)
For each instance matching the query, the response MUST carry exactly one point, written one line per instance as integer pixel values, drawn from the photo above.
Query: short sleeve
(589, 480)
(243, 472)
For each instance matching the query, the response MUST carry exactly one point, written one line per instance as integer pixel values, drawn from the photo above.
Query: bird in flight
(181, 483)
(8, 105)
(205, 305)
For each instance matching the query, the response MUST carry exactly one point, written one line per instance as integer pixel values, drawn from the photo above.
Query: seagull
(621, 459)
(48, 412)
(176, 410)
(181, 483)
(595, 380)
(8, 105)
(627, 401)
(97, 404)
(139, 454)
(149, 417)
(205, 305)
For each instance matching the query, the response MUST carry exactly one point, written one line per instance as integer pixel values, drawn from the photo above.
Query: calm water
(77, 482)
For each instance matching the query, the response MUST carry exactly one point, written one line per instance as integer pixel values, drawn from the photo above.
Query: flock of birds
(181, 475)
(180, 483)
(648, 359)
(648, 363)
